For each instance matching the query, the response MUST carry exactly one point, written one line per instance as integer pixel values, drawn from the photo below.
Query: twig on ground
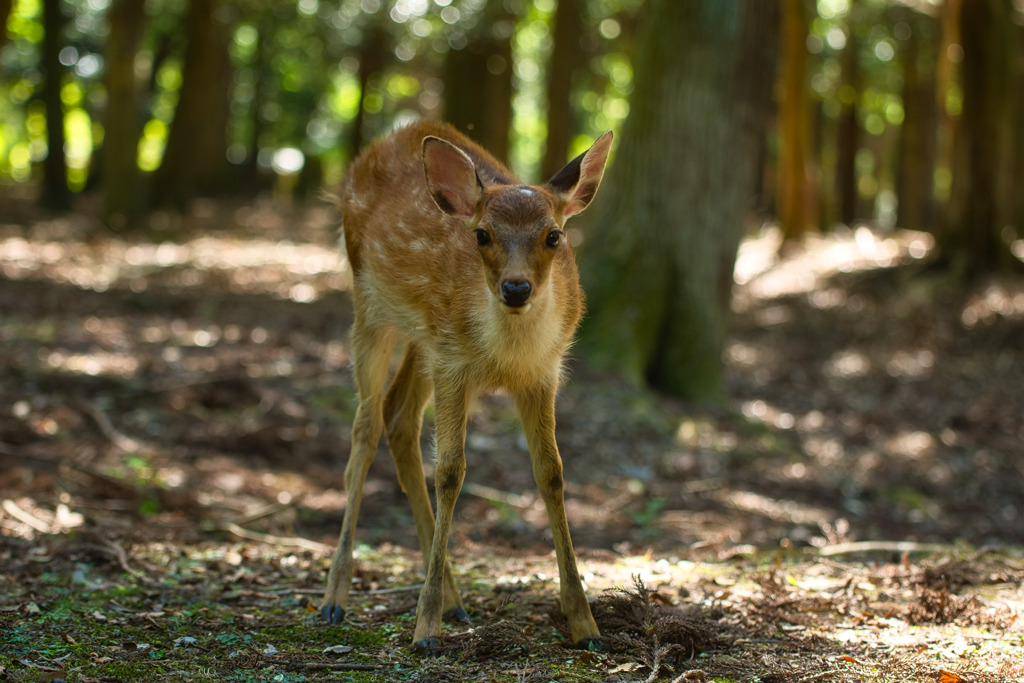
(884, 546)
(270, 539)
(125, 443)
(411, 588)
(352, 666)
(61, 463)
(270, 510)
(122, 558)
(25, 517)
(815, 676)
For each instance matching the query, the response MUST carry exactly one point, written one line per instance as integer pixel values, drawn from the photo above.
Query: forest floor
(174, 421)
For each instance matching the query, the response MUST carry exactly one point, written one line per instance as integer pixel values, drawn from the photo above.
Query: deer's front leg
(537, 410)
(450, 406)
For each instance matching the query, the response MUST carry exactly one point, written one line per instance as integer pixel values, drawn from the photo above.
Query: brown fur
(412, 205)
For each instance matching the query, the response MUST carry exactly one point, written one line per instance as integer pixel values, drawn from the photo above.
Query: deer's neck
(515, 348)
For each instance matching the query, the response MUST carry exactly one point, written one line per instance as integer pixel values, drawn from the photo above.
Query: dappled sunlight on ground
(163, 392)
(299, 272)
(893, 389)
(851, 385)
(803, 269)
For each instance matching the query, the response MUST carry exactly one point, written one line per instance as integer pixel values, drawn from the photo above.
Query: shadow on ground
(195, 390)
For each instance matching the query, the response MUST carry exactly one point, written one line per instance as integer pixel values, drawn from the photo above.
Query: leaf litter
(174, 415)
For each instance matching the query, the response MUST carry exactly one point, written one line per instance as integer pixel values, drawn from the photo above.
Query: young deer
(472, 271)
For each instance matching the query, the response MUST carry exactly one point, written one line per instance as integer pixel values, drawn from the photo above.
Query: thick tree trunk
(658, 262)
(978, 210)
(564, 59)
(54, 193)
(195, 162)
(917, 147)
(120, 151)
(796, 205)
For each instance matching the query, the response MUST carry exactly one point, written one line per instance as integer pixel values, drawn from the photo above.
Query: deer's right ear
(451, 177)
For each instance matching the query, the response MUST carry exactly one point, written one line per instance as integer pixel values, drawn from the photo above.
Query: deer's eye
(483, 238)
(554, 238)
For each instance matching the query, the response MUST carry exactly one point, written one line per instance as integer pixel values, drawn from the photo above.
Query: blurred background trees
(890, 113)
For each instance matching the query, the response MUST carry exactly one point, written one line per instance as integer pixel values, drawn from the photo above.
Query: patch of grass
(253, 625)
(646, 517)
(361, 639)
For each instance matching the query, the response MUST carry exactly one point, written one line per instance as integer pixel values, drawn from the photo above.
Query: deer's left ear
(577, 183)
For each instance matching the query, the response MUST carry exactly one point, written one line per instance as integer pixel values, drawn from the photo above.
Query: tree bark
(658, 262)
(1017, 123)
(849, 132)
(796, 207)
(120, 151)
(563, 63)
(195, 162)
(978, 209)
(917, 146)
(54, 193)
(947, 72)
(5, 11)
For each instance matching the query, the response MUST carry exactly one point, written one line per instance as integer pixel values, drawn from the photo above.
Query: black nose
(515, 292)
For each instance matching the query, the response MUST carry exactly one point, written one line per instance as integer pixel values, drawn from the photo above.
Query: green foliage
(296, 78)
(647, 516)
(119, 628)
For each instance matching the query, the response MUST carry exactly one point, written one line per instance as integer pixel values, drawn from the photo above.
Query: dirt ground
(174, 416)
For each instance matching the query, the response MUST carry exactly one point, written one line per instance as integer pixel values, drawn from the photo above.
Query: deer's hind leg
(403, 418)
(371, 352)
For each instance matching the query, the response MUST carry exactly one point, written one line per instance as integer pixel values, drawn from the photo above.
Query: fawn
(470, 269)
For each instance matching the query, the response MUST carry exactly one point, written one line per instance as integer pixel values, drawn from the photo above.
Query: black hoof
(333, 614)
(590, 644)
(456, 615)
(428, 647)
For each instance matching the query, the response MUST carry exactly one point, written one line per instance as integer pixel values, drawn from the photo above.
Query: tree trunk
(478, 82)
(1017, 123)
(5, 11)
(563, 63)
(373, 55)
(796, 192)
(54, 193)
(658, 262)
(917, 146)
(249, 169)
(121, 124)
(848, 132)
(971, 241)
(195, 162)
(947, 81)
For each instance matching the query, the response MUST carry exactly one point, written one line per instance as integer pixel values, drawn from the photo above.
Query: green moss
(360, 639)
(130, 670)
